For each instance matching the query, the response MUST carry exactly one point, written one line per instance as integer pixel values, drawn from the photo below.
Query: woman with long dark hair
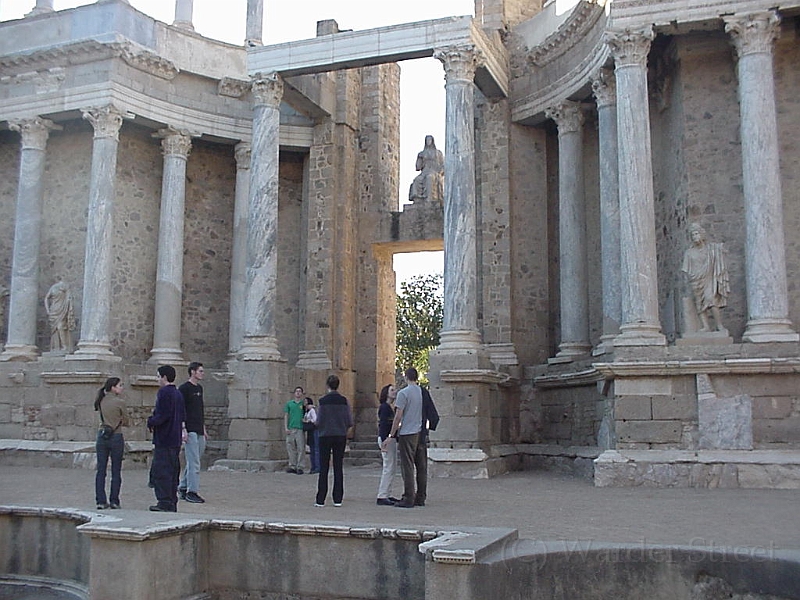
(389, 453)
(110, 443)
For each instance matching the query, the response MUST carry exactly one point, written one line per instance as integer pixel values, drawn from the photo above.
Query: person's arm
(286, 418)
(398, 416)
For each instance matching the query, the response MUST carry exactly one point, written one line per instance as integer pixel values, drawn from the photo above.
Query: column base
(606, 345)
(503, 354)
(259, 347)
(19, 353)
(93, 351)
(567, 351)
(459, 341)
(166, 356)
(763, 331)
(637, 334)
(188, 25)
(39, 11)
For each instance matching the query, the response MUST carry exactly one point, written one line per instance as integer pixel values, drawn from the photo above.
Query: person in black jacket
(333, 420)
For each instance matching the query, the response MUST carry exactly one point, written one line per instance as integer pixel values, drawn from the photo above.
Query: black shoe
(419, 503)
(102, 506)
(114, 505)
(404, 505)
(291, 470)
(313, 472)
(157, 508)
(194, 498)
(182, 493)
(393, 499)
(299, 471)
(384, 502)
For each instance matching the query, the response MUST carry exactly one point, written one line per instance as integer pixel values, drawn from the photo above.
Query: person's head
(332, 382)
(388, 392)
(166, 374)
(309, 402)
(299, 393)
(196, 371)
(697, 233)
(112, 384)
(411, 375)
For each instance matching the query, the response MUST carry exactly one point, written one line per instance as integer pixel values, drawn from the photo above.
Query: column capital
(630, 47)
(175, 142)
(460, 62)
(267, 89)
(106, 121)
(568, 116)
(242, 152)
(34, 131)
(753, 33)
(604, 87)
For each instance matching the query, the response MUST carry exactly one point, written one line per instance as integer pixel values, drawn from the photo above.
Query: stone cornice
(582, 19)
(88, 51)
(727, 366)
(585, 377)
(233, 88)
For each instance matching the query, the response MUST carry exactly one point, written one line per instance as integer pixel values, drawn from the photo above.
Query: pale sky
(422, 81)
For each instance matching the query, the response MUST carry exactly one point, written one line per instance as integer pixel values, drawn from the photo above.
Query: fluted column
(255, 23)
(239, 250)
(95, 313)
(183, 14)
(640, 324)
(260, 342)
(460, 327)
(21, 339)
(175, 146)
(605, 92)
(42, 7)
(572, 231)
(765, 254)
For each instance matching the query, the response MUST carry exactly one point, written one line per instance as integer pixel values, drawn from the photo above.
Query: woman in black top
(388, 454)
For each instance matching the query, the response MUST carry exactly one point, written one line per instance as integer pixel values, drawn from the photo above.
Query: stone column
(460, 328)
(572, 231)
(42, 7)
(260, 342)
(640, 324)
(605, 91)
(94, 342)
(255, 23)
(765, 254)
(21, 339)
(175, 146)
(239, 250)
(183, 14)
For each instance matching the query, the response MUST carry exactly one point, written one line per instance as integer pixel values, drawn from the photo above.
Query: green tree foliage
(420, 309)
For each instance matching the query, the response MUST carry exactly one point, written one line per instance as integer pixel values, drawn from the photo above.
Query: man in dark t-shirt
(196, 435)
(166, 423)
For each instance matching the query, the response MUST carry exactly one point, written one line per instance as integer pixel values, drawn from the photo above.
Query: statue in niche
(704, 265)
(429, 184)
(60, 315)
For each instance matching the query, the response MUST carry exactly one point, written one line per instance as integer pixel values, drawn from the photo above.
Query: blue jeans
(193, 449)
(114, 448)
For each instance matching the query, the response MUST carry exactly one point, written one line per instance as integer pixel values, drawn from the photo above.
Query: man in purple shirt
(166, 423)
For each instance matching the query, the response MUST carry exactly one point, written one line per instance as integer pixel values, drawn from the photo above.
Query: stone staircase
(362, 453)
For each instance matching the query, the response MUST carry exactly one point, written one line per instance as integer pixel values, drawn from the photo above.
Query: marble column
(571, 231)
(255, 23)
(175, 146)
(765, 254)
(260, 341)
(605, 92)
(639, 282)
(23, 302)
(183, 14)
(239, 250)
(42, 7)
(460, 327)
(95, 313)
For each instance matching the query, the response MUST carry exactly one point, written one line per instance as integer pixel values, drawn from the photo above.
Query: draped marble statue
(429, 184)
(60, 315)
(704, 265)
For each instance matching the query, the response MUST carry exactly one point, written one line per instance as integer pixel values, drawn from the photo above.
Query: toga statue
(429, 184)
(704, 265)
(58, 304)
